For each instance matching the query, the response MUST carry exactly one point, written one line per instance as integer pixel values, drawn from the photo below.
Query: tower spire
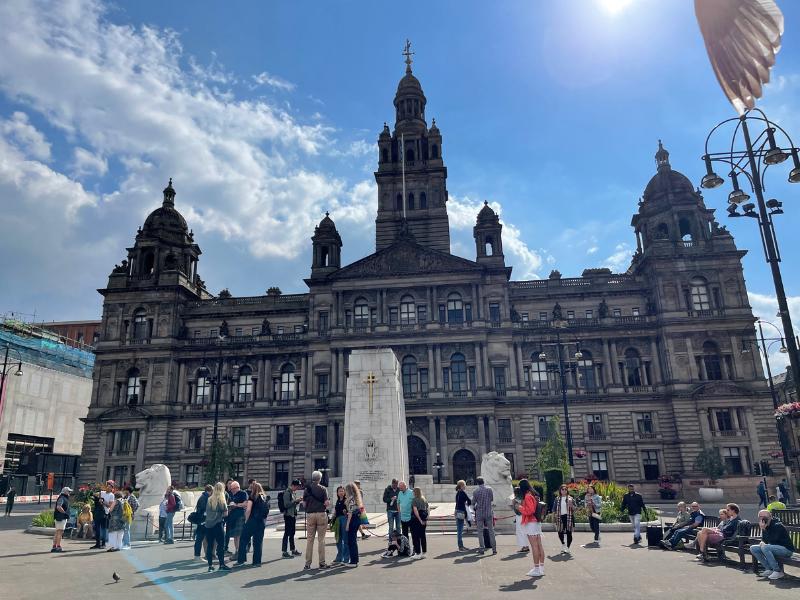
(408, 54)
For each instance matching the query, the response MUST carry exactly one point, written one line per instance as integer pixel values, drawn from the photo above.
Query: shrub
(709, 462)
(46, 518)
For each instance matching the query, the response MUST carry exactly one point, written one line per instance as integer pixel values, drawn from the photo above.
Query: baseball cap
(66, 490)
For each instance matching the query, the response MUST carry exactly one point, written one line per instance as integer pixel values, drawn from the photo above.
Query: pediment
(405, 257)
(125, 412)
(721, 388)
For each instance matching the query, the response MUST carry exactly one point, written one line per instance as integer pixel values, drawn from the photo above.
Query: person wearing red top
(531, 526)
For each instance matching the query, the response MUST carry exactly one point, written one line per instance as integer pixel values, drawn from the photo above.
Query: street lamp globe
(737, 196)
(710, 180)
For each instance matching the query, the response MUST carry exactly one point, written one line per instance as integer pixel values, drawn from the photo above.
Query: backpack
(178, 501)
(127, 512)
(282, 502)
(541, 510)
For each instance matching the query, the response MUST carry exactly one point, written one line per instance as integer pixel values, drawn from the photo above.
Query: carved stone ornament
(370, 450)
(405, 257)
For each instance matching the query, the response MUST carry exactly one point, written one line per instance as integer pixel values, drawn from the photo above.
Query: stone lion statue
(496, 473)
(152, 483)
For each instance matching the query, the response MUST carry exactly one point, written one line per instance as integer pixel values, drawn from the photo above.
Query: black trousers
(595, 525)
(418, 537)
(404, 527)
(289, 527)
(215, 536)
(9, 506)
(568, 532)
(199, 534)
(253, 530)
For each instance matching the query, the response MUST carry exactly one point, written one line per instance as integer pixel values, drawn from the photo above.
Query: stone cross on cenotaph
(370, 381)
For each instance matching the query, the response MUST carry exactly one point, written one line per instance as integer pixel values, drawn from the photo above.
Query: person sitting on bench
(775, 543)
(696, 516)
(728, 524)
(682, 519)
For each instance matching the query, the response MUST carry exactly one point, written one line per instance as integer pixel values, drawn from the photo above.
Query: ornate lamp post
(750, 158)
(438, 465)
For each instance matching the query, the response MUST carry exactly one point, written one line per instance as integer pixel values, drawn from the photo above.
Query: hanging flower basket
(580, 453)
(790, 410)
(776, 454)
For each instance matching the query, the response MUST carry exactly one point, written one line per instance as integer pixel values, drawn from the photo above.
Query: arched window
(410, 201)
(662, 232)
(288, 385)
(408, 311)
(133, 388)
(409, 376)
(633, 367)
(711, 361)
(140, 324)
(398, 202)
(434, 151)
(458, 372)
(423, 200)
(489, 246)
(361, 313)
(538, 374)
(202, 389)
(409, 155)
(148, 263)
(698, 290)
(323, 256)
(685, 229)
(244, 387)
(586, 378)
(455, 308)
(385, 155)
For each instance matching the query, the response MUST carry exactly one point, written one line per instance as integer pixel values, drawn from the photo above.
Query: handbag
(595, 516)
(470, 514)
(460, 514)
(194, 518)
(362, 516)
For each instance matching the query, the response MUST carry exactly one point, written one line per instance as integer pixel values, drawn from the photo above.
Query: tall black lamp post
(750, 158)
(559, 324)
(216, 386)
(438, 465)
(7, 367)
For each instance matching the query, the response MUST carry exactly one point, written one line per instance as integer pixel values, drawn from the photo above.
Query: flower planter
(711, 494)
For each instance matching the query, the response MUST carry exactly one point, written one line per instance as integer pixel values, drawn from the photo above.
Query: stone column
(614, 361)
(705, 431)
(512, 362)
(334, 318)
(259, 391)
(481, 439)
(520, 367)
(310, 391)
(432, 446)
(309, 447)
(655, 361)
(752, 432)
(141, 439)
(181, 383)
(493, 441)
(693, 374)
(266, 388)
(303, 391)
(442, 448)
(485, 363)
(437, 375)
(331, 449)
(608, 375)
(519, 459)
(478, 365)
(334, 371)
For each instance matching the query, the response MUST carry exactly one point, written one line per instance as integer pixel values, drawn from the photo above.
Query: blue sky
(266, 115)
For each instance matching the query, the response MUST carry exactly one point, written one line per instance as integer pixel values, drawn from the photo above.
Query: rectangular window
(543, 316)
(524, 317)
(280, 330)
(494, 312)
(422, 314)
(281, 475)
(212, 333)
(468, 312)
(617, 312)
(202, 390)
(543, 424)
(393, 315)
(237, 332)
(197, 333)
(124, 439)
(600, 465)
(282, 436)
(471, 378)
(594, 427)
(589, 314)
(635, 311)
(504, 434)
(446, 378)
(570, 315)
(526, 373)
(423, 381)
(255, 330)
(733, 460)
(499, 380)
(373, 315)
(320, 437)
(323, 320)
(724, 419)
(237, 472)
(298, 329)
(650, 464)
(238, 436)
(644, 424)
(442, 314)
(195, 439)
(192, 478)
(322, 385)
(348, 318)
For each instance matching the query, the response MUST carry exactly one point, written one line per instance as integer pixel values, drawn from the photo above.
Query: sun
(614, 6)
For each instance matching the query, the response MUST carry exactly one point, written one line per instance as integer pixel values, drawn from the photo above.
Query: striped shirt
(482, 499)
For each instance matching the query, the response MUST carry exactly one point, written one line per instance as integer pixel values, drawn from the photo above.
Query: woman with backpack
(116, 523)
(564, 509)
(216, 511)
(419, 522)
(255, 516)
(532, 511)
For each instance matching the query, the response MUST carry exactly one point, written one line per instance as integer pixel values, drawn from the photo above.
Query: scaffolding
(44, 348)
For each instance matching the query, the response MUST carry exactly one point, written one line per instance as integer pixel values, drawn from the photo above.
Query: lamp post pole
(4, 375)
(567, 427)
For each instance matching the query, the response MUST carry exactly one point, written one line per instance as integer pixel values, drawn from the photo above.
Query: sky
(266, 115)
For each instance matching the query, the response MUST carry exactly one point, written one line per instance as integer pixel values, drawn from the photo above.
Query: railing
(542, 438)
(646, 435)
(596, 437)
(112, 452)
(247, 300)
(321, 446)
(639, 388)
(706, 312)
(500, 393)
(729, 433)
(505, 440)
(245, 339)
(280, 447)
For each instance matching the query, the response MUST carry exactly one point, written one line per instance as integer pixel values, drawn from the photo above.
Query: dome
(166, 218)
(666, 180)
(326, 224)
(409, 85)
(487, 214)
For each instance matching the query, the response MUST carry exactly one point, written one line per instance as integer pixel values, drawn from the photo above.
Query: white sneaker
(567, 551)
(765, 573)
(689, 545)
(597, 543)
(534, 572)
(541, 570)
(699, 557)
(776, 575)
(563, 548)
(423, 555)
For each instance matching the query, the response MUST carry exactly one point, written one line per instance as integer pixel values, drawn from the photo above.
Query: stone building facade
(652, 362)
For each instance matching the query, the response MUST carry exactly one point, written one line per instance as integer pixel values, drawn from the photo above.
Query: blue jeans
(637, 526)
(352, 537)
(169, 530)
(768, 554)
(676, 537)
(342, 547)
(393, 517)
(126, 535)
(460, 532)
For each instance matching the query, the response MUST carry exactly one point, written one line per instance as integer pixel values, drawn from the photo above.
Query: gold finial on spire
(408, 54)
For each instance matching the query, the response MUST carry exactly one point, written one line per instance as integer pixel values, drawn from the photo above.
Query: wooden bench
(791, 520)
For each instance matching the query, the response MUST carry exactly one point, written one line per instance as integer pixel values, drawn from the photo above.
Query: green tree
(553, 455)
(220, 460)
(710, 463)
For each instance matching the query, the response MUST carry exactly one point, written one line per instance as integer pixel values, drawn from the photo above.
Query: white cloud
(620, 260)
(592, 250)
(25, 136)
(765, 307)
(272, 81)
(86, 163)
(464, 212)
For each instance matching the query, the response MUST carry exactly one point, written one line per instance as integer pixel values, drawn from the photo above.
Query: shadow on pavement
(518, 586)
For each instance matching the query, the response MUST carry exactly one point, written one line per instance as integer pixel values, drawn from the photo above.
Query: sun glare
(614, 6)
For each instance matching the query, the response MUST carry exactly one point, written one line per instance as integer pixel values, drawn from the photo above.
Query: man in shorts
(61, 515)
